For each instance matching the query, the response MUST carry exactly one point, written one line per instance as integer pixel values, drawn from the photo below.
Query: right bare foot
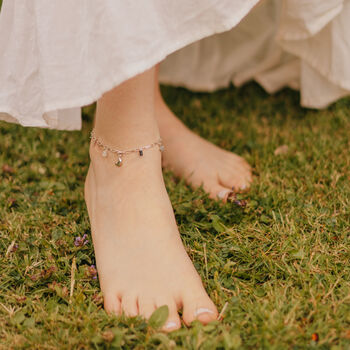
(141, 260)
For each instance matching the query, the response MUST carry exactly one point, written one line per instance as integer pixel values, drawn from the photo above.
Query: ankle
(171, 128)
(120, 153)
(106, 165)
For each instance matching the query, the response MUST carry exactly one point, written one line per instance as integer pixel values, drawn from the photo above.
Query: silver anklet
(121, 153)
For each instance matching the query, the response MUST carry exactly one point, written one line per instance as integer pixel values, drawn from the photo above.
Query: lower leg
(125, 115)
(141, 261)
(201, 162)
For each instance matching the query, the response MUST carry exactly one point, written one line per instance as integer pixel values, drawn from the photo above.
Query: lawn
(280, 263)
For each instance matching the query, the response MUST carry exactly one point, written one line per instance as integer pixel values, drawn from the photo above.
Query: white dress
(59, 55)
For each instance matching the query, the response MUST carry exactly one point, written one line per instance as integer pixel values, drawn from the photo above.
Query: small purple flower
(93, 272)
(80, 241)
(14, 248)
(241, 203)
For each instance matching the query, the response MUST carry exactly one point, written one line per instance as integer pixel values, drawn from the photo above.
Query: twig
(72, 279)
(221, 315)
(205, 259)
(227, 290)
(9, 249)
(9, 310)
(331, 289)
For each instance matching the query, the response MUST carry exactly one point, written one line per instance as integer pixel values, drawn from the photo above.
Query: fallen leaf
(108, 336)
(7, 169)
(315, 337)
(281, 150)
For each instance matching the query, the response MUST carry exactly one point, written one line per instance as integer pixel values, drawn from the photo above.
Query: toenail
(222, 194)
(170, 325)
(243, 187)
(203, 310)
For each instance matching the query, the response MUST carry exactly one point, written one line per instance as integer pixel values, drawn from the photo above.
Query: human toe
(146, 307)
(218, 192)
(173, 321)
(199, 308)
(112, 303)
(129, 305)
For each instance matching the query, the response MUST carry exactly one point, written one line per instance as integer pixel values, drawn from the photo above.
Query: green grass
(281, 263)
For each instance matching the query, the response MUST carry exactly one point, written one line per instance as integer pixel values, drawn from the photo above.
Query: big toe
(216, 191)
(199, 308)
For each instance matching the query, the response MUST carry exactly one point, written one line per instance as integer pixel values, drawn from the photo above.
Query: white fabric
(303, 44)
(59, 55)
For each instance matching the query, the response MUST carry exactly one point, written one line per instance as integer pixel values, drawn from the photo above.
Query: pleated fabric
(302, 44)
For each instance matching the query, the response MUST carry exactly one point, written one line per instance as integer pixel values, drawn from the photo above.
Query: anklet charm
(121, 153)
(119, 162)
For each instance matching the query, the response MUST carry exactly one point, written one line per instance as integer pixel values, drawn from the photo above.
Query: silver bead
(161, 148)
(119, 162)
(104, 153)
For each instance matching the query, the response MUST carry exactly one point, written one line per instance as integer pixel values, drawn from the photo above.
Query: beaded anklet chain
(121, 153)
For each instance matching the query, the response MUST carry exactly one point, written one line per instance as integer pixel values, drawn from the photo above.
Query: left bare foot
(197, 160)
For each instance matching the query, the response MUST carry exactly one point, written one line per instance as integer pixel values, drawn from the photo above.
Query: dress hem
(111, 82)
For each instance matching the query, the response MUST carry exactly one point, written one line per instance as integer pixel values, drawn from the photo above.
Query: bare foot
(197, 160)
(141, 261)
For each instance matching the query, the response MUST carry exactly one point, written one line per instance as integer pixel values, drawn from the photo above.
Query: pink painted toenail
(203, 310)
(170, 325)
(243, 187)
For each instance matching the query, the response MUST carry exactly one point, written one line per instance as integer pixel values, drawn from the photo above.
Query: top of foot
(198, 161)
